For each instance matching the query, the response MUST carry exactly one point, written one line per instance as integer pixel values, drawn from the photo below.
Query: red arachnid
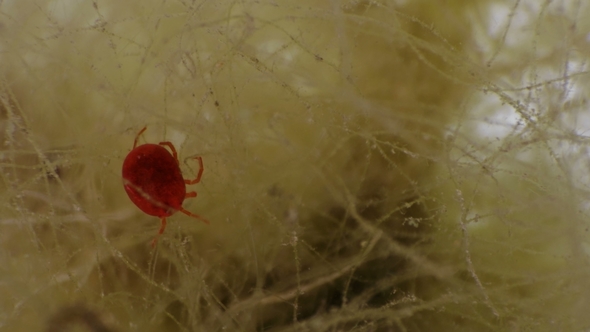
(153, 181)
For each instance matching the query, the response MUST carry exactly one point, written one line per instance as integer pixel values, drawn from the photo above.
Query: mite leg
(137, 136)
(201, 169)
(174, 154)
(190, 214)
(162, 228)
(190, 194)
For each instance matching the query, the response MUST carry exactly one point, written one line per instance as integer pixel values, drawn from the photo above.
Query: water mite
(153, 181)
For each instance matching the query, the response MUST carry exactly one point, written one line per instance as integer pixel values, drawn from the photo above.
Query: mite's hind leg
(162, 228)
(190, 214)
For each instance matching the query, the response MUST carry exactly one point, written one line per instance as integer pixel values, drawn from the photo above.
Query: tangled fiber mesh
(369, 165)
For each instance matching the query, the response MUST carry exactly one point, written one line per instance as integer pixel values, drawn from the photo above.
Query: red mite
(153, 181)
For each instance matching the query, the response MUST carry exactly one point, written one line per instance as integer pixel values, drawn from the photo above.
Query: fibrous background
(369, 165)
